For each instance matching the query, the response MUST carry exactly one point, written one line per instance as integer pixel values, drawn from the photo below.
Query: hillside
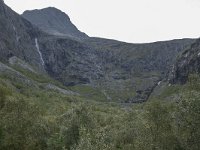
(187, 64)
(62, 93)
(39, 113)
(117, 71)
(17, 37)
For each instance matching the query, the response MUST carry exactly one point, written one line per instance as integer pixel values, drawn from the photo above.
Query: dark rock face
(123, 71)
(17, 37)
(64, 59)
(188, 63)
(69, 61)
(136, 66)
(139, 58)
(54, 21)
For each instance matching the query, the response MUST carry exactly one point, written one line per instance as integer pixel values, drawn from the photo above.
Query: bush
(160, 125)
(188, 120)
(3, 93)
(22, 127)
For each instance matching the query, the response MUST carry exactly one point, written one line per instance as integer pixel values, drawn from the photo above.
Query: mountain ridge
(117, 71)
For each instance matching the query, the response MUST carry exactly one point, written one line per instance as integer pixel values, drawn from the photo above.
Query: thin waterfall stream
(38, 49)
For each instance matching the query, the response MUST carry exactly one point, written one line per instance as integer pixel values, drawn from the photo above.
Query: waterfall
(16, 35)
(38, 49)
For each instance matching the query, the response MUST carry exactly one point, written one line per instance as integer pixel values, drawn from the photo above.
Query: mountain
(98, 69)
(47, 53)
(54, 21)
(136, 69)
(58, 92)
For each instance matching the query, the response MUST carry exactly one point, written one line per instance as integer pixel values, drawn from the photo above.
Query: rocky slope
(69, 61)
(100, 69)
(138, 68)
(187, 63)
(17, 37)
(47, 53)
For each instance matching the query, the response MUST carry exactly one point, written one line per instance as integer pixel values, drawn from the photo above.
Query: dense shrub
(3, 93)
(42, 120)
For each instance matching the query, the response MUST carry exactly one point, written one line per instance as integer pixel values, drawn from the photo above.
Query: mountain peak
(47, 9)
(53, 21)
(51, 9)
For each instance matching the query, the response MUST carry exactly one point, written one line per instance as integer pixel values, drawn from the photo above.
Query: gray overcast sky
(133, 21)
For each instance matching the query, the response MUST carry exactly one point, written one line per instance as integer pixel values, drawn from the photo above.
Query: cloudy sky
(135, 21)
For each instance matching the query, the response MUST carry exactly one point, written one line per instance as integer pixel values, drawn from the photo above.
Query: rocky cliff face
(138, 68)
(120, 71)
(139, 58)
(17, 37)
(58, 56)
(69, 61)
(187, 63)
(55, 22)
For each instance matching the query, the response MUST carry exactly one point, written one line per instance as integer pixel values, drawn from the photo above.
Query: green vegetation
(38, 119)
(91, 93)
(38, 77)
(102, 94)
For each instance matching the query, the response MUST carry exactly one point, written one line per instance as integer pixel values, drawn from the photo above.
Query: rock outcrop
(17, 37)
(187, 63)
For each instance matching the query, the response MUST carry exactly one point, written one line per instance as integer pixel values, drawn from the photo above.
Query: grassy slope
(35, 118)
